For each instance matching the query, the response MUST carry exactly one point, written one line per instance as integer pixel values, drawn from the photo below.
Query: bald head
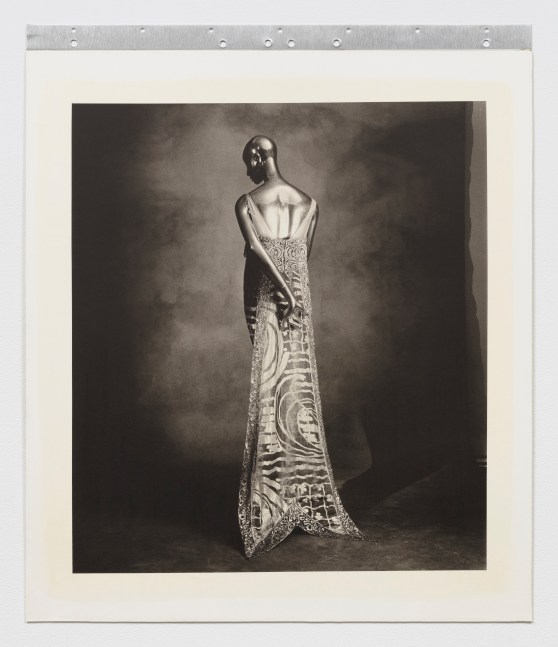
(262, 146)
(260, 156)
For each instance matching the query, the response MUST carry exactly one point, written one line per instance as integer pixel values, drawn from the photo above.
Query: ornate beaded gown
(286, 476)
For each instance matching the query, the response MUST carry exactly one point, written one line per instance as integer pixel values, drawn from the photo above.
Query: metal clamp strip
(254, 37)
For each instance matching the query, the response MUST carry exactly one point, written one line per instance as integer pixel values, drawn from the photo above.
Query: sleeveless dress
(286, 478)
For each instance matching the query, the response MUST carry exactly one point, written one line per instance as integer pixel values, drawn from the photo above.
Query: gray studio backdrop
(161, 351)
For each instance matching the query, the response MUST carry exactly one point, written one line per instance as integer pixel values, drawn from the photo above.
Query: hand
(294, 314)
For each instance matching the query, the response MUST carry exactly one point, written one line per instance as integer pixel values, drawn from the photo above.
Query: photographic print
(198, 444)
(277, 336)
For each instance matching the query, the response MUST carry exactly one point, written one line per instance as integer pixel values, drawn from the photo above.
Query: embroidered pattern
(286, 478)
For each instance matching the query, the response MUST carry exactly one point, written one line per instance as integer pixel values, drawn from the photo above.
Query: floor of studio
(429, 525)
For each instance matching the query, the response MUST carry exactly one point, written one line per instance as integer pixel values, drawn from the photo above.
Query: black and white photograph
(279, 337)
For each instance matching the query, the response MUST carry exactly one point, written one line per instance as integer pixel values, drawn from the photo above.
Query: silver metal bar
(254, 37)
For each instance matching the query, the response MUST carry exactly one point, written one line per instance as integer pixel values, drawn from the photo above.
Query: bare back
(282, 206)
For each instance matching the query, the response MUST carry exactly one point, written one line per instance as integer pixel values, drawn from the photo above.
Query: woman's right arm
(255, 247)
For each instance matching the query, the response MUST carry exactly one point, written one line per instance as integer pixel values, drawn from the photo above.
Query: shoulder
(313, 206)
(306, 200)
(241, 206)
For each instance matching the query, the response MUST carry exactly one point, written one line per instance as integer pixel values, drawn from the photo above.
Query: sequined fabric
(286, 475)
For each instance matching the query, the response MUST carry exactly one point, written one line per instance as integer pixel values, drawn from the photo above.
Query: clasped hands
(291, 311)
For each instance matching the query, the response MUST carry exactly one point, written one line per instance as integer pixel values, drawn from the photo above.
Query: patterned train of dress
(286, 476)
